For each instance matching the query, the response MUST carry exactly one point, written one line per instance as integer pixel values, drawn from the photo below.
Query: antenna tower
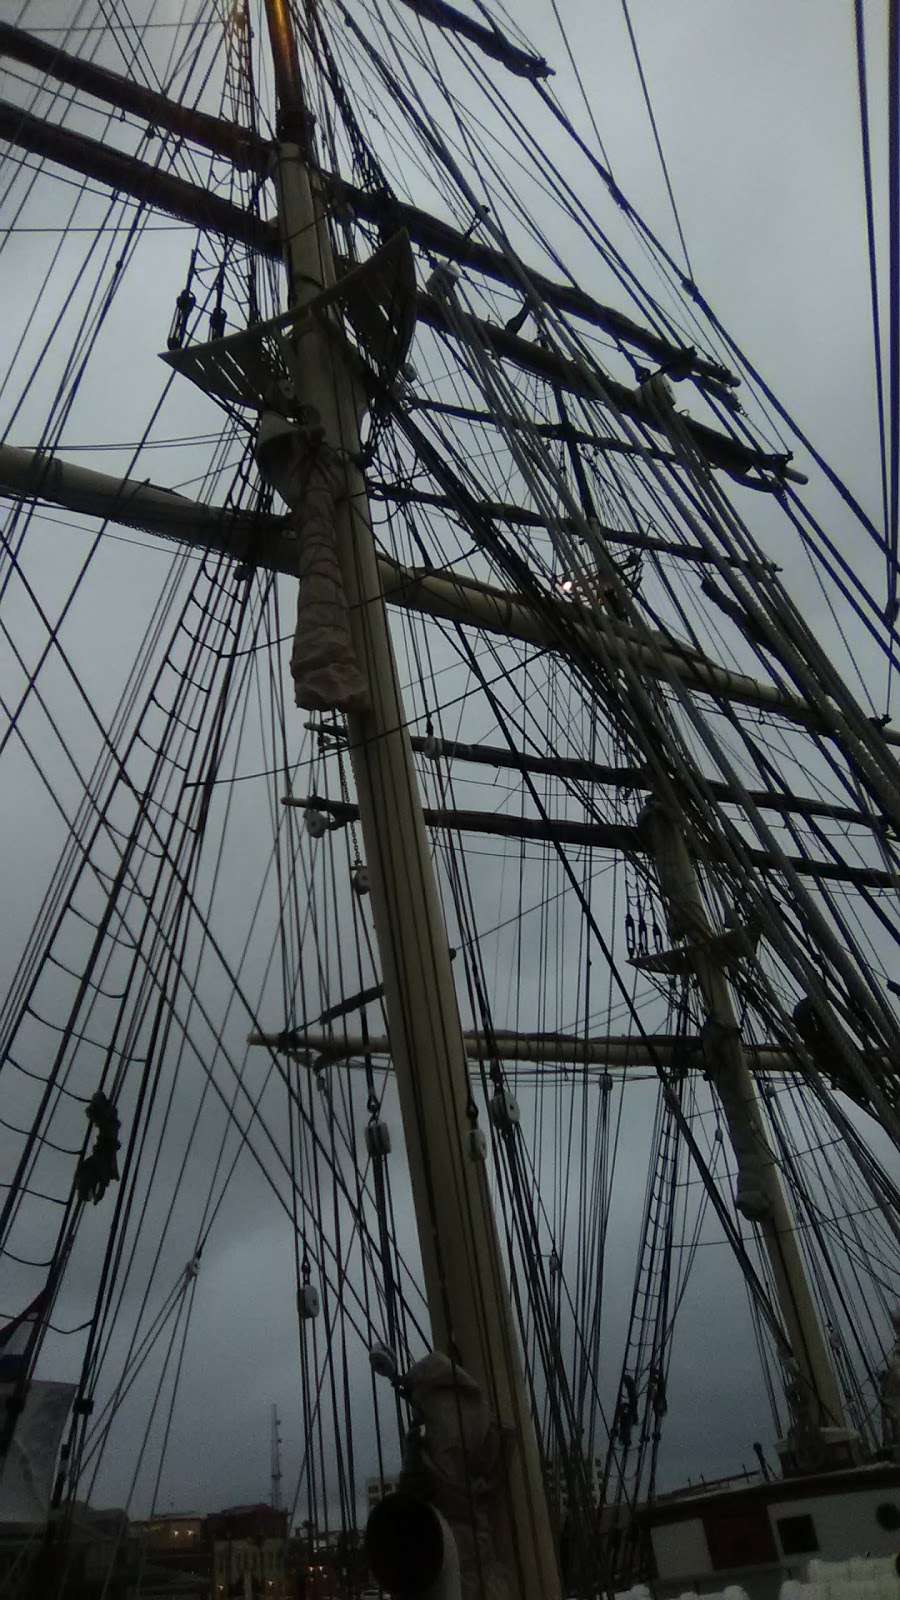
(276, 1460)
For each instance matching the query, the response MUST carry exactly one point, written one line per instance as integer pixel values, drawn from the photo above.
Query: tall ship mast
(450, 480)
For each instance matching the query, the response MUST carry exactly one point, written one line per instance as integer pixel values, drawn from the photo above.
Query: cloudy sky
(756, 107)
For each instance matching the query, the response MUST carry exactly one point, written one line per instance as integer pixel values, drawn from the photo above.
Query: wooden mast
(817, 1402)
(468, 1298)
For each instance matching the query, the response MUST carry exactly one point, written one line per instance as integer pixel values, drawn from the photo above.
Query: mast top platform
(259, 367)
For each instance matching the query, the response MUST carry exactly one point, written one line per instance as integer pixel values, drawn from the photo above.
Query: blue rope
(870, 235)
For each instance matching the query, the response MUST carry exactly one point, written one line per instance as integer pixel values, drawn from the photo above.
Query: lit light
(588, 590)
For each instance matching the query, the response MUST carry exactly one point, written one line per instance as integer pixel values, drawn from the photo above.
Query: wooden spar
(137, 503)
(261, 540)
(440, 238)
(146, 184)
(246, 149)
(548, 1049)
(520, 516)
(468, 1297)
(569, 768)
(599, 835)
(719, 449)
(190, 203)
(604, 835)
(250, 527)
(544, 430)
(565, 767)
(490, 40)
(241, 146)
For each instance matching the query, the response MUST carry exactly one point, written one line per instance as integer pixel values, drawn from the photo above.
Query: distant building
(328, 1565)
(175, 1530)
(377, 1488)
(174, 1546)
(249, 1553)
(237, 1554)
(573, 1480)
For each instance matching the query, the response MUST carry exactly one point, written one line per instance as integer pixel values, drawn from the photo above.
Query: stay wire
(894, 300)
(656, 138)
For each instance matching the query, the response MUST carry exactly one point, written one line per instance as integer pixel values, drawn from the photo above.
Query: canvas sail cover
(323, 660)
(460, 1466)
(26, 1478)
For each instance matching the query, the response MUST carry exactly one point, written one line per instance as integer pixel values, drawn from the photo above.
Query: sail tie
(95, 1172)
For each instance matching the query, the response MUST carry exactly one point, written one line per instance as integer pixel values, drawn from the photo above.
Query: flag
(15, 1336)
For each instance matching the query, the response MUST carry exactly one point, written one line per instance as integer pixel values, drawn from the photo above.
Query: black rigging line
(766, 1308)
(795, 509)
(894, 295)
(130, 946)
(658, 141)
(178, 960)
(146, 1079)
(726, 339)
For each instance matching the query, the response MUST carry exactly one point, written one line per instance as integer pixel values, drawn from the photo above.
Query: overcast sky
(756, 107)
